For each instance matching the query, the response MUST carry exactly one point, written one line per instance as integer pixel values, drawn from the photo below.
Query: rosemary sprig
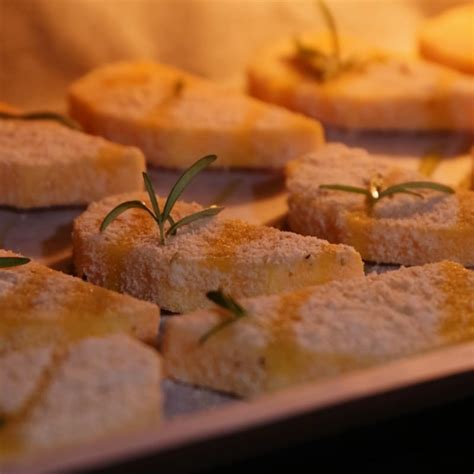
(8, 262)
(322, 65)
(40, 115)
(228, 303)
(161, 217)
(375, 193)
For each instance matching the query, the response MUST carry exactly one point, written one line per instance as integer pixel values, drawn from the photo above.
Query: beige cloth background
(45, 44)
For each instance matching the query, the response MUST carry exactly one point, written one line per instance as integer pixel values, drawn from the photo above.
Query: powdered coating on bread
(40, 306)
(208, 254)
(400, 229)
(389, 91)
(175, 117)
(95, 387)
(321, 331)
(20, 372)
(43, 163)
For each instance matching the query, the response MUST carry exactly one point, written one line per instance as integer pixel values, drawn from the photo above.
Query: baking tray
(199, 419)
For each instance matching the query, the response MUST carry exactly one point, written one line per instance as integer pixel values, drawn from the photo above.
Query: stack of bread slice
(175, 117)
(402, 229)
(44, 163)
(212, 253)
(322, 331)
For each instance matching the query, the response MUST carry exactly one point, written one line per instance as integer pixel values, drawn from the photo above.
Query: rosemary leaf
(226, 302)
(347, 188)
(161, 217)
(407, 191)
(121, 208)
(402, 187)
(215, 329)
(152, 195)
(7, 262)
(331, 24)
(46, 115)
(183, 181)
(208, 212)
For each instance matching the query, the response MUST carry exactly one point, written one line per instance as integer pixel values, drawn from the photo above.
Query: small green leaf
(208, 212)
(346, 188)
(402, 187)
(215, 329)
(152, 195)
(121, 208)
(228, 303)
(183, 181)
(7, 262)
(411, 193)
(308, 51)
(331, 24)
(46, 115)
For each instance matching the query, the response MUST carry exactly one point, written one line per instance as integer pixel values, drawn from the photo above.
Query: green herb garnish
(161, 217)
(7, 262)
(324, 65)
(375, 192)
(228, 303)
(62, 119)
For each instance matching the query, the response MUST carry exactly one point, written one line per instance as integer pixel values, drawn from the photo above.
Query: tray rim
(241, 416)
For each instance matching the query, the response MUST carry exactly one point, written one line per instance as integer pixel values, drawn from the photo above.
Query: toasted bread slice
(89, 389)
(448, 38)
(400, 229)
(323, 331)
(43, 163)
(175, 117)
(241, 258)
(385, 92)
(40, 306)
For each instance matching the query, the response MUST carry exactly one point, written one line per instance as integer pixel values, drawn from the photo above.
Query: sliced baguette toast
(448, 38)
(56, 395)
(243, 259)
(385, 92)
(175, 117)
(43, 163)
(39, 306)
(322, 331)
(401, 229)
